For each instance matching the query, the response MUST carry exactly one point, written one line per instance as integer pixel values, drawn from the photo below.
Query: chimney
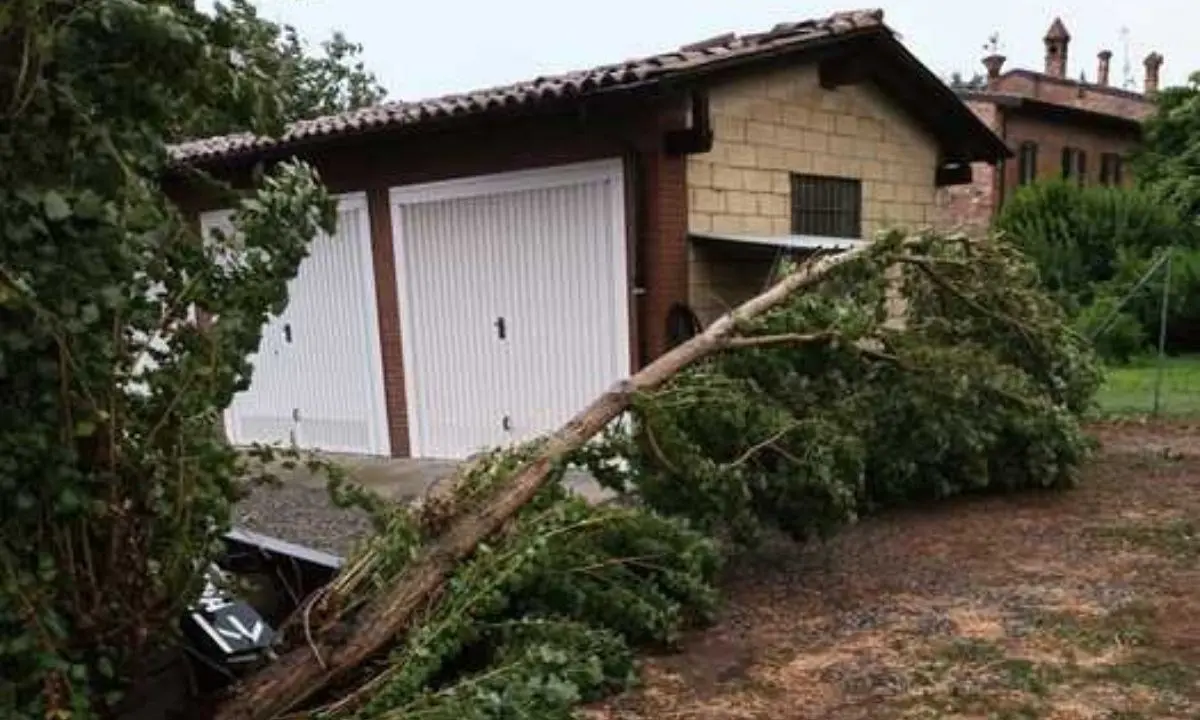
(993, 63)
(1153, 64)
(1105, 57)
(1057, 39)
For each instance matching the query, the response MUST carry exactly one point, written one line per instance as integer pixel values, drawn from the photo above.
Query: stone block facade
(767, 127)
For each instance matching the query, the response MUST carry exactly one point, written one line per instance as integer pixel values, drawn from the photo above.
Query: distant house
(504, 255)
(1056, 127)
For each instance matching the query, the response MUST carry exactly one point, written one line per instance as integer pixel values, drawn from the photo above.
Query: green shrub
(1117, 338)
(1091, 244)
(538, 620)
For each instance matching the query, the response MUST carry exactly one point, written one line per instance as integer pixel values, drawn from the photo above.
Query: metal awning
(793, 242)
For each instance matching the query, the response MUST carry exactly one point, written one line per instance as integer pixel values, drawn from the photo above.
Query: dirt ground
(1083, 604)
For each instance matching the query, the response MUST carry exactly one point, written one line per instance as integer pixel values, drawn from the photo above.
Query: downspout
(636, 223)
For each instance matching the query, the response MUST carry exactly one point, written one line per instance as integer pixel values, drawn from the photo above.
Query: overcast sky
(422, 48)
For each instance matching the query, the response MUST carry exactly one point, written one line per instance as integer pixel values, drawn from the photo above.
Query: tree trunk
(301, 673)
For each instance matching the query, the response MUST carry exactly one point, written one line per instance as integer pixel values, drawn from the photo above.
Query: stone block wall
(772, 124)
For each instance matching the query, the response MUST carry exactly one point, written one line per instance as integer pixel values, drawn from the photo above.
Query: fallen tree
(763, 418)
(302, 672)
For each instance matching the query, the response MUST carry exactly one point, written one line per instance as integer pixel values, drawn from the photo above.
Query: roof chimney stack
(1057, 39)
(1153, 64)
(994, 63)
(1105, 57)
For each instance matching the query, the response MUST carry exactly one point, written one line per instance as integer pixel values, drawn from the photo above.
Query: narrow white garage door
(318, 379)
(515, 310)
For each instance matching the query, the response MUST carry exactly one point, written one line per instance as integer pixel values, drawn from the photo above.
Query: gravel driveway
(298, 509)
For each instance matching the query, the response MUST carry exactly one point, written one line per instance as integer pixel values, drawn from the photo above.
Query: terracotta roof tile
(629, 74)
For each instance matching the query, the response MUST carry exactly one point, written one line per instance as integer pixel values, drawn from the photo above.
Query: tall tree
(113, 483)
(311, 82)
(1169, 160)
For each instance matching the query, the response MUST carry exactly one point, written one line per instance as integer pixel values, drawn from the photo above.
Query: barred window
(826, 206)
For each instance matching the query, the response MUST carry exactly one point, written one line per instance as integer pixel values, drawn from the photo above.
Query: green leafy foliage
(1091, 246)
(1117, 334)
(537, 621)
(1168, 161)
(308, 84)
(123, 335)
(980, 389)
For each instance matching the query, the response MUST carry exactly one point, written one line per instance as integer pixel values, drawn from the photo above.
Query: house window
(1074, 164)
(826, 206)
(1111, 169)
(1027, 163)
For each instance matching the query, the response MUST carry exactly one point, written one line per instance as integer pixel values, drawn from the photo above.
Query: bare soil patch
(1069, 606)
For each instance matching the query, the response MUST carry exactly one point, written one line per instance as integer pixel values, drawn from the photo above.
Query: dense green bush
(1091, 245)
(545, 617)
(1117, 334)
(981, 390)
(1167, 162)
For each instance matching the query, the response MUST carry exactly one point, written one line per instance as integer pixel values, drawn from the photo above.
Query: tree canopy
(1169, 160)
(309, 83)
(115, 481)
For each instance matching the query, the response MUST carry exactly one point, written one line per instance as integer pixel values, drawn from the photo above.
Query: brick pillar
(387, 300)
(664, 251)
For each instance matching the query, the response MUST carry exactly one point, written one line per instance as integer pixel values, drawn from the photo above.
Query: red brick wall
(376, 163)
(664, 248)
(971, 207)
(1052, 137)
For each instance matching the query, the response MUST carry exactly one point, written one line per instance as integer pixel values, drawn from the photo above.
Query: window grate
(826, 206)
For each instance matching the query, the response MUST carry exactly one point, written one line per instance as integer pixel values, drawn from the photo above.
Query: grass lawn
(1129, 389)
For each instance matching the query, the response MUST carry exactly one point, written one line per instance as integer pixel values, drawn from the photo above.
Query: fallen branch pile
(799, 410)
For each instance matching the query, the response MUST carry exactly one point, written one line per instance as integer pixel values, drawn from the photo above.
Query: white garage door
(318, 379)
(515, 310)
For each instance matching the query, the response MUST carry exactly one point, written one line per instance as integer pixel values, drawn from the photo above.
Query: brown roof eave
(1057, 111)
(962, 135)
(304, 145)
(1068, 82)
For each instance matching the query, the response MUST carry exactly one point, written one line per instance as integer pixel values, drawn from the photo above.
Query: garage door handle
(500, 328)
